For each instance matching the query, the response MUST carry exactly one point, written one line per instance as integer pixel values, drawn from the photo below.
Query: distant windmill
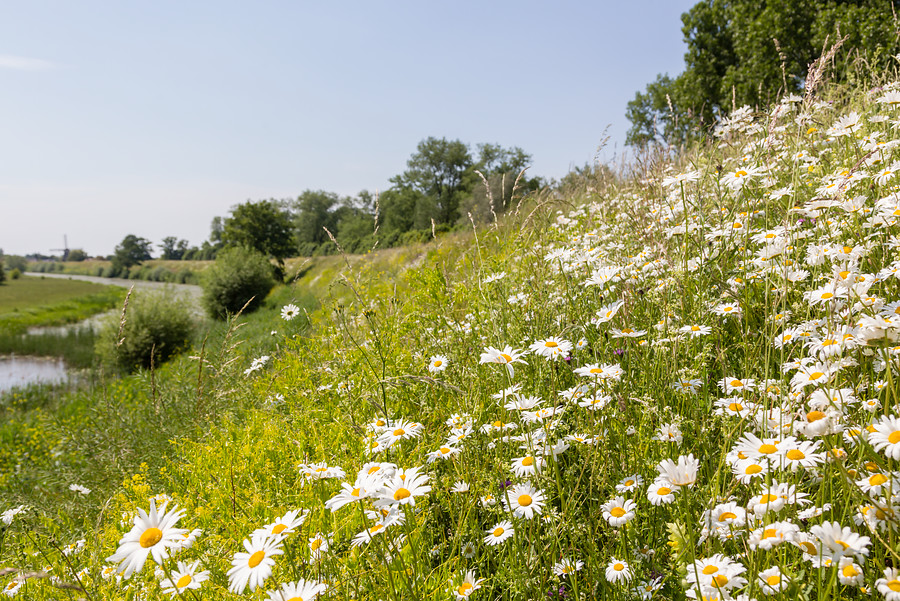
(65, 250)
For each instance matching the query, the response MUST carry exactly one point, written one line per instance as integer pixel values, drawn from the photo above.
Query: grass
(680, 381)
(33, 301)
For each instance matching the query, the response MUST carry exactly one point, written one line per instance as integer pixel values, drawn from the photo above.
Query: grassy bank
(678, 385)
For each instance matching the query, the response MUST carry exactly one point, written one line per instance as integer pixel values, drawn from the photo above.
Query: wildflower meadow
(677, 381)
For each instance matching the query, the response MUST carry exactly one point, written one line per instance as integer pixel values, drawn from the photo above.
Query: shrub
(158, 325)
(237, 276)
(2, 272)
(15, 274)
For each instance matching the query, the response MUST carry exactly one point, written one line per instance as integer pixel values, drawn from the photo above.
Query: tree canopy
(133, 250)
(263, 226)
(745, 52)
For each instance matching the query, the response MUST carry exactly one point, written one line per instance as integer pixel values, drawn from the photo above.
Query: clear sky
(151, 118)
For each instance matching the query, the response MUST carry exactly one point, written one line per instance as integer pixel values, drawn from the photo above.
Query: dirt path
(195, 292)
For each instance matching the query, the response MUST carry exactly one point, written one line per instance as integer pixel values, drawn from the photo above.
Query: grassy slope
(242, 438)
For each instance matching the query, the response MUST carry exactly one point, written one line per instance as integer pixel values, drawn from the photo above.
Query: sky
(152, 118)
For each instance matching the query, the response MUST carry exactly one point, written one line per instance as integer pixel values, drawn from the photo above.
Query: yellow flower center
(464, 588)
(528, 461)
(183, 581)
(735, 407)
(773, 580)
(720, 580)
(279, 529)
(710, 570)
(795, 455)
(816, 375)
(740, 173)
(498, 424)
(498, 531)
(768, 449)
(506, 357)
(550, 344)
(727, 516)
(849, 571)
(629, 482)
(877, 480)
(827, 295)
(150, 537)
(894, 585)
(894, 437)
(769, 533)
(618, 567)
(596, 370)
(766, 499)
(695, 328)
(736, 383)
(524, 500)
(399, 432)
(401, 494)
(617, 512)
(316, 544)
(663, 491)
(753, 469)
(808, 547)
(814, 416)
(256, 558)
(438, 363)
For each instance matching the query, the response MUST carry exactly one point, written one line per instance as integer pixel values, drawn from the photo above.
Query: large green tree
(264, 226)
(133, 250)
(747, 52)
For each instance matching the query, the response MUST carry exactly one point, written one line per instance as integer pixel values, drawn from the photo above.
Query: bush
(238, 275)
(158, 325)
(15, 274)
(2, 272)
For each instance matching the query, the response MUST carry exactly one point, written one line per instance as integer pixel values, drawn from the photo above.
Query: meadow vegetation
(681, 382)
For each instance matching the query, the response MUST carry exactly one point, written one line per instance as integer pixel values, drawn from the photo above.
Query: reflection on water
(21, 371)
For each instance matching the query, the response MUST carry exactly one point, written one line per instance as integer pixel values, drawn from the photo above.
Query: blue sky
(151, 118)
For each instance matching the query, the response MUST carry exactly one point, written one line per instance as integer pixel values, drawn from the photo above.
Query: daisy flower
(318, 545)
(287, 524)
(661, 492)
(7, 516)
(718, 572)
(566, 566)
(186, 577)
(606, 313)
(528, 465)
(551, 348)
(683, 473)
(618, 511)
(773, 581)
(12, 587)
(468, 586)
(152, 534)
(629, 483)
(403, 490)
(255, 565)
(499, 533)
(617, 571)
(437, 364)
(695, 330)
(507, 356)
(525, 501)
(350, 493)
(687, 386)
(885, 436)
(302, 590)
(839, 541)
(850, 573)
(445, 452)
(401, 430)
(320, 471)
(889, 586)
(289, 312)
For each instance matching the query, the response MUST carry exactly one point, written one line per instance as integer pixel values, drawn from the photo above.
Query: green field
(28, 302)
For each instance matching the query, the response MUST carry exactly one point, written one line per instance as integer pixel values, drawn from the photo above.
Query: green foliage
(157, 326)
(15, 274)
(16, 262)
(76, 255)
(2, 271)
(263, 226)
(239, 275)
(130, 252)
(742, 52)
(173, 249)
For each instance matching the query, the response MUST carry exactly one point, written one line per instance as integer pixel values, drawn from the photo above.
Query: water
(22, 371)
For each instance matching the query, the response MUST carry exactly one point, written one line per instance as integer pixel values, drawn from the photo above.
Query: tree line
(444, 183)
(746, 52)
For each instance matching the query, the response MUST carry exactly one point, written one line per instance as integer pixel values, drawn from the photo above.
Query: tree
(131, 251)
(745, 52)
(2, 271)
(437, 171)
(313, 213)
(263, 226)
(173, 249)
(77, 255)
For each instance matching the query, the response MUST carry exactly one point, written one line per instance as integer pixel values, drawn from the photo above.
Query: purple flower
(619, 352)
